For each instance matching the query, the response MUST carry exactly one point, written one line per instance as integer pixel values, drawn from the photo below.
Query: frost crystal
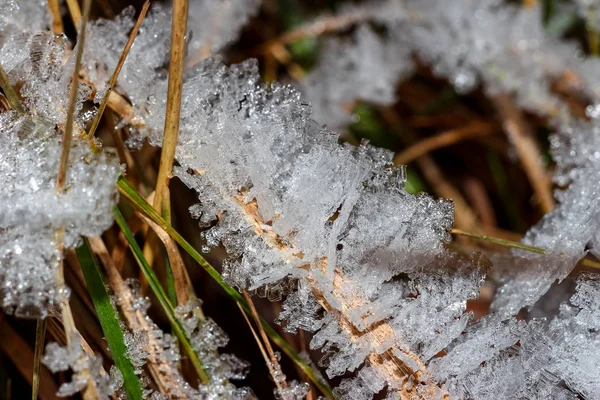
(84, 366)
(30, 148)
(365, 67)
(32, 212)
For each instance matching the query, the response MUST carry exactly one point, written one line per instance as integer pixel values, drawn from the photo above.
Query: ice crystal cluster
(363, 264)
(84, 367)
(33, 213)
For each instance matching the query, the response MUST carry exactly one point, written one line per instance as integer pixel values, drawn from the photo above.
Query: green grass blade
(108, 320)
(140, 203)
(162, 297)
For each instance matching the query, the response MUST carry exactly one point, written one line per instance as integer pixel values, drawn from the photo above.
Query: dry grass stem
(523, 139)
(74, 11)
(57, 24)
(274, 366)
(22, 355)
(268, 362)
(180, 275)
(171, 130)
(11, 95)
(472, 130)
(40, 335)
(115, 75)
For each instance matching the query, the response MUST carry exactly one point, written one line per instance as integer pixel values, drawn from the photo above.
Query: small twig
(473, 130)
(523, 139)
(57, 24)
(115, 75)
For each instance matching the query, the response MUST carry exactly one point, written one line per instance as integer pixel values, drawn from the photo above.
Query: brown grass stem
(57, 23)
(522, 137)
(472, 130)
(274, 366)
(261, 348)
(74, 11)
(64, 157)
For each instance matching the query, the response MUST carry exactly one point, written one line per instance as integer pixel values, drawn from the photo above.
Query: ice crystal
(84, 367)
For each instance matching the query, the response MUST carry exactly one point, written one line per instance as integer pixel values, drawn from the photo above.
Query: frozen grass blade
(109, 320)
(146, 209)
(501, 242)
(517, 245)
(162, 298)
(40, 335)
(115, 75)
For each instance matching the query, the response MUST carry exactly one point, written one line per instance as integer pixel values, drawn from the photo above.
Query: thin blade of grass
(517, 245)
(162, 298)
(9, 92)
(146, 209)
(501, 242)
(115, 75)
(109, 320)
(40, 335)
(261, 348)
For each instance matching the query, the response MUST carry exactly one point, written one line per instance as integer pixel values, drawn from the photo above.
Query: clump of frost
(536, 359)
(295, 391)
(206, 337)
(366, 66)
(24, 16)
(149, 344)
(214, 24)
(32, 212)
(84, 367)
